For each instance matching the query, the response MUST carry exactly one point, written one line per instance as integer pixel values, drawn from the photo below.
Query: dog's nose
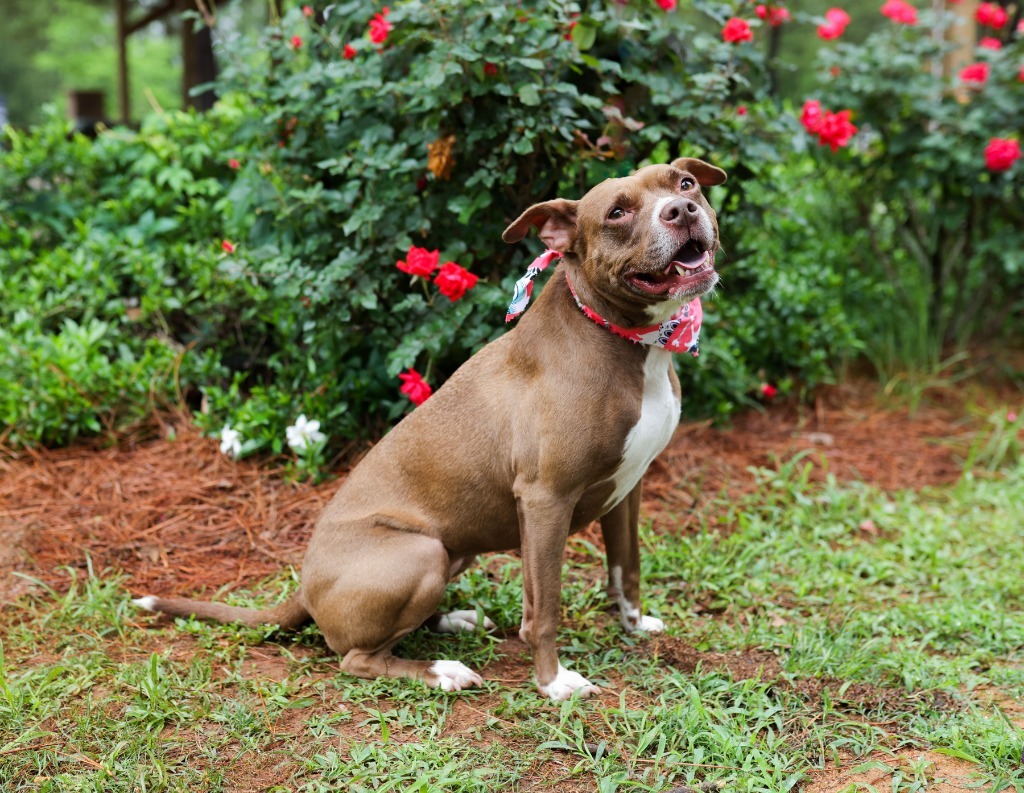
(681, 210)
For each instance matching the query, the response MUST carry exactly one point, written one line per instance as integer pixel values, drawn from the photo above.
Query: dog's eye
(617, 213)
(687, 183)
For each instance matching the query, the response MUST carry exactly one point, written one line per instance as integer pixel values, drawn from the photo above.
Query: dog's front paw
(567, 683)
(454, 676)
(459, 621)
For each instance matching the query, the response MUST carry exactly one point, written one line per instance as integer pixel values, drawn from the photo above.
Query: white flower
(230, 441)
(304, 433)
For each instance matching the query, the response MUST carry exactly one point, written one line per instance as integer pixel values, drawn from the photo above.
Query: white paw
(454, 676)
(567, 683)
(458, 621)
(648, 625)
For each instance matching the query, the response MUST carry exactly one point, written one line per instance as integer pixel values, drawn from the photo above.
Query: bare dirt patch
(179, 517)
(943, 774)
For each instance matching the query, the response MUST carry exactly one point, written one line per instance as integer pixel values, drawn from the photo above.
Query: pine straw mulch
(179, 517)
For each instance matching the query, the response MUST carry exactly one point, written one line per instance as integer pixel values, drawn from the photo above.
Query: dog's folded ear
(555, 220)
(706, 173)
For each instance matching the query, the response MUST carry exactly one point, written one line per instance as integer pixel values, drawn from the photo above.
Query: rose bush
(946, 227)
(326, 242)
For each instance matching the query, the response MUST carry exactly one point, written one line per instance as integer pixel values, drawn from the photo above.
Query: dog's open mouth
(691, 268)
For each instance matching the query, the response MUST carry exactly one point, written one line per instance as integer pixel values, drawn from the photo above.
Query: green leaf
(529, 95)
(583, 36)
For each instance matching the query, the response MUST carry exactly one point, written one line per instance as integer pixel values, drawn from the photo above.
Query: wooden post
(963, 35)
(123, 98)
(199, 66)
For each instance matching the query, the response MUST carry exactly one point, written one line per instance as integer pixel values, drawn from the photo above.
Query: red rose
(835, 130)
(810, 117)
(666, 5)
(736, 30)
(1001, 154)
(1020, 74)
(490, 69)
(419, 261)
(900, 11)
(975, 73)
(307, 11)
(234, 164)
(768, 390)
(454, 281)
(415, 387)
(349, 52)
(992, 15)
(380, 27)
(761, 11)
(741, 110)
(227, 246)
(990, 43)
(296, 42)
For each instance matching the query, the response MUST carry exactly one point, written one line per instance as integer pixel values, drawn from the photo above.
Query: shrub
(251, 254)
(110, 270)
(488, 109)
(946, 229)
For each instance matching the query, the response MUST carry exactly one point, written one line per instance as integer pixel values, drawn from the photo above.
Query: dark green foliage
(946, 235)
(309, 314)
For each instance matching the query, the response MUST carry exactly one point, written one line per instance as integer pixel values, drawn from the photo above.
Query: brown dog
(542, 432)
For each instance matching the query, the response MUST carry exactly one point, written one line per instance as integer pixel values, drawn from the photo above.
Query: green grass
(855, 624)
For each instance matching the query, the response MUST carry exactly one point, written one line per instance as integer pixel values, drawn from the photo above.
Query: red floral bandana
(679, 333)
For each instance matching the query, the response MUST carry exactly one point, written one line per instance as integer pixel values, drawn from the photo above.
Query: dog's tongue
(693, 265)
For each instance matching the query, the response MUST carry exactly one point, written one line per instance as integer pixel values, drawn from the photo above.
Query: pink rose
(836, 21)
(810, 117)
(227, 246)
(975, 73)
(296, 42)
(454, 281)
(415, 387)
(667, 5)
(1001, 154)
(307, 11)
(736, 30)
(991, 15)
(234, 164)
(900, 11)
(990, 43)
(419, 261)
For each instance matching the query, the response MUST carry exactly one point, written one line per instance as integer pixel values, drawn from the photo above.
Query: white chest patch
(659, 416)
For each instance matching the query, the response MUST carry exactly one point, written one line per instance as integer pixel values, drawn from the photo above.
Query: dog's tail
(288, 615)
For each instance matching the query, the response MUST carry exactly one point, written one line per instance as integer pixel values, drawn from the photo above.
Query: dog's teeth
(680, 270)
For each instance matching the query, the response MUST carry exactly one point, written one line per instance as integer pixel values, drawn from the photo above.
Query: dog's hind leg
(463, 619)
(382, 584)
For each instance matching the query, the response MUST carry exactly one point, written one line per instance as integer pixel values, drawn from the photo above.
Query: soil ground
(178, 517)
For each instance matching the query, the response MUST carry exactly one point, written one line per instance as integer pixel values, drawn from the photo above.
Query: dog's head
(641, 241)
